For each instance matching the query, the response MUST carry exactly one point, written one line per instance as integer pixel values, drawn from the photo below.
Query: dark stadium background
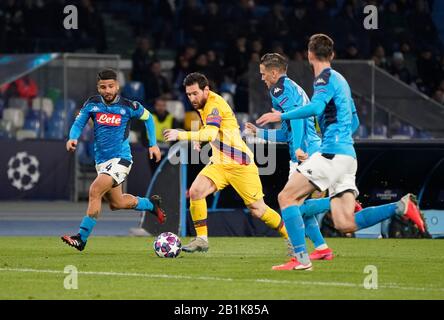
(46, 72)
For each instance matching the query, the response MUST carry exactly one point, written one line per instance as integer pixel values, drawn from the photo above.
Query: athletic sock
(314, 206)
(86, 227)
(370, 216)
(273, 220)
(295, 227)
(198, 209)
(144, 204)
(313, 232)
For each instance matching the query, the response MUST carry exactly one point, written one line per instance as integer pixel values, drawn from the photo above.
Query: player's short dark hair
(274, 60)
(322, 46)
(107, 74)
(194, 78)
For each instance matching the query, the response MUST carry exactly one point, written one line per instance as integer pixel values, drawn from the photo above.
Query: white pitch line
(208, 278)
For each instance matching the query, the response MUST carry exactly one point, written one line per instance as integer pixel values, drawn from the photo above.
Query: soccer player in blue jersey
(301, 137)
(334, 166)
(111, 115)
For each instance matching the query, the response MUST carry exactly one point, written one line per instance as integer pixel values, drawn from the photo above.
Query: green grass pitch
(233, 268)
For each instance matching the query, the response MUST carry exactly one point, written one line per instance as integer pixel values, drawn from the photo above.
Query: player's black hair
(198, 78)
(107, 74)
(274, 60)
(322, 46)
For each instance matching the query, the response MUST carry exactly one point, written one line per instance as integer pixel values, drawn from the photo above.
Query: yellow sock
(198, 209)
(274, 221)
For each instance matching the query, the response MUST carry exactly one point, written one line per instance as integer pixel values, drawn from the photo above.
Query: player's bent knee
(196, 193)
(286, 199)
(345, 226)
(257, 212)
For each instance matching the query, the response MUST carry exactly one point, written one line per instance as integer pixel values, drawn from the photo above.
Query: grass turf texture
(234, 268)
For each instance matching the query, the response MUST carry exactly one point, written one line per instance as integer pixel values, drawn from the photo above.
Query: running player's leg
(345, 221)
(290, 198)
(202, 187)
(259, 209)
(119, 200)
(344, 193)
(100, 186)
(247, 183)
(309, 209)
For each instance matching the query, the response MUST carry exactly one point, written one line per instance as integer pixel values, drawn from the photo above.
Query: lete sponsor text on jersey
(109, 119)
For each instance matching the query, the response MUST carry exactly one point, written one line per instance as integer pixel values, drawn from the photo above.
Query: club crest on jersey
(122, 112)
(106, 119)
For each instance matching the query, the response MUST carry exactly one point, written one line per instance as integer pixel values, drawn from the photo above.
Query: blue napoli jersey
(337, 120)
(111, 126)
(287, 95)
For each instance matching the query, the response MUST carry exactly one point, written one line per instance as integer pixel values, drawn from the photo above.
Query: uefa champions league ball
(167, 245)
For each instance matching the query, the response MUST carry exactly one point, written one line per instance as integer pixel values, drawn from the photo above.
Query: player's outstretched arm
(206, 134)
(274, 135)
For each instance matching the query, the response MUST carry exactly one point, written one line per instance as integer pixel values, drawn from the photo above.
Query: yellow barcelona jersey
(228, 147)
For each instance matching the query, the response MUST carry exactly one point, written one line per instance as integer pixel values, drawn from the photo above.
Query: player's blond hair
(274, 60)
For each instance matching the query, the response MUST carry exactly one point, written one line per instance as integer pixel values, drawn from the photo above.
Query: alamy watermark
(226, 149)
(371, 20)
(71, 21)
(71, 280)
(371, 281)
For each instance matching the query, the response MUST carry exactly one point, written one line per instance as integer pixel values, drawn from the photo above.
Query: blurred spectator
(352, 52)
(257, 46)
(214, 26)
(14, 25)
(300, 26)
(214, 67)
(438, 96)
(394, 23)
(25, 88)
(142, 58)
(274, 25)
(421, 24)
(428, 69)
(91, 26)
(163, 119)
(320, 16)
(398, 68)
(409, 59)
(379, 57)
(192, 21)
(156, 84)
(237, 56)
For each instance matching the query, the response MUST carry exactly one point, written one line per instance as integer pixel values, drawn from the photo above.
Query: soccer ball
(23, 171)
(167, 245)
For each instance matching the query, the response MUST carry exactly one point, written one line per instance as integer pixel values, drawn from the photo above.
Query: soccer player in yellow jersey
(232, 162)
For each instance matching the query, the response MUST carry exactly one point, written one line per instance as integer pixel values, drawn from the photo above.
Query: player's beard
(105, 97)
(201, 104)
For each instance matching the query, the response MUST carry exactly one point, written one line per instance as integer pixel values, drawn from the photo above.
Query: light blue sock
(372, 215)
(86, 227)
(313, 207)
(144, 204)
(312, 231)
(296, 232)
